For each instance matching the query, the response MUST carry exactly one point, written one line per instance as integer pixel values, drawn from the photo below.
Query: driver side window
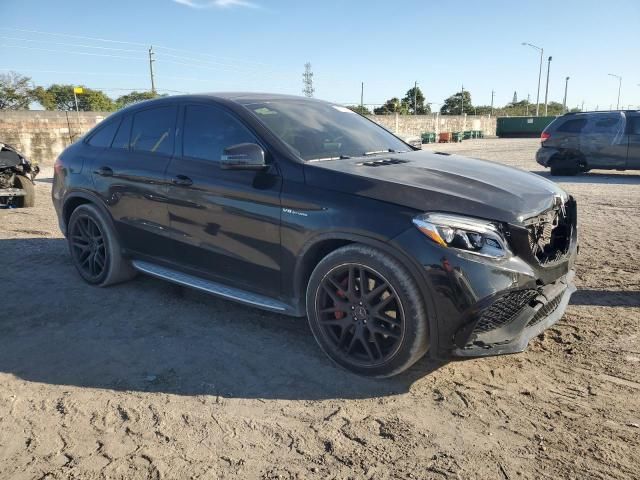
(209, 130)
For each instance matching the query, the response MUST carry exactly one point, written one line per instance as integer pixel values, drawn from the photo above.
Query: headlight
(463, 233)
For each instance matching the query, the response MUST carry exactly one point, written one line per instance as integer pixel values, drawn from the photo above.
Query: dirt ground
(151, 380)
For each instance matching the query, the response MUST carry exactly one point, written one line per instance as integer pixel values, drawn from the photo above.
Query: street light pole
(415, 98)
(619, 87)
(564, 102)
(546, 92)
(541, 50)
(462, 101)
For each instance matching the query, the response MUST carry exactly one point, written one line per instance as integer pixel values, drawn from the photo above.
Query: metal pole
(546, 92)
(541, 50)
(462, 101)
(528, 96)
(362, 97)
(492, 95)
(619, 87)
(75, 97)
(564, 102)
(151, 60)
(415, 98)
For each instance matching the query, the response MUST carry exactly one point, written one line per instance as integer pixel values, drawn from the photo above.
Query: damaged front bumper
(512, 329)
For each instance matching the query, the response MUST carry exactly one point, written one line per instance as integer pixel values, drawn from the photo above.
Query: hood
(428, 181)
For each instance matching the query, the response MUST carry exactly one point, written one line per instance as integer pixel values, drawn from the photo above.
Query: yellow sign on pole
(78, 90)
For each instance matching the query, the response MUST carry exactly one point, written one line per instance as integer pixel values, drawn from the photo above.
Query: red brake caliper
(339, 315)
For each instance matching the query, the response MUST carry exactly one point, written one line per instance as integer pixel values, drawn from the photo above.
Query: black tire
(95, 249)
(381, 343)
(29, 198)
(565, 165)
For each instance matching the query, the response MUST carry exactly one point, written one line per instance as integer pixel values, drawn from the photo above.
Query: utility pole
(546, 92)
(307, 81)
(415, 98)
(492, 95)
(619, 87)
(361, 97)
(541, 50)
(564, 102)
(528, 97)
(462, 101)
(151, 60)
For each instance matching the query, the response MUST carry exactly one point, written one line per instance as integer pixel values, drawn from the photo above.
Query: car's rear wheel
(366, 312)
(95, 249)
(567, 164)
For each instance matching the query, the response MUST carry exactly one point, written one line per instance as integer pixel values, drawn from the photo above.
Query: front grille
(504, 310)
(546, 310)
(550, 234)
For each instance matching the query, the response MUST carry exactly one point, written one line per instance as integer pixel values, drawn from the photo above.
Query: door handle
(104, 172)
(182, 180)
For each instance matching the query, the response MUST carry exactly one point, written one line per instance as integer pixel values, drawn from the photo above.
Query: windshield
(322, 131)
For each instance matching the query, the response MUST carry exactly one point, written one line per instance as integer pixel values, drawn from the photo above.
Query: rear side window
(122, 137)
(209, 130)
(154, 130)
(573, 126)
(104, 136)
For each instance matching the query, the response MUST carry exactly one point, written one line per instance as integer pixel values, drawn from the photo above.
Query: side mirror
(244, 156)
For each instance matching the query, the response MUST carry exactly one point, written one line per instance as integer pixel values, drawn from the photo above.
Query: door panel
(603, 141)
(130, 177)
(225, 223)
(633, 156)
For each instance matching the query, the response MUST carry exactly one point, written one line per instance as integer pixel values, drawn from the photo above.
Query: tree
(361, 109)
(419, 99)
(453, 104)
(515, 97)
(135, 97)
(15, 91)
(60, 97)
(393, 105)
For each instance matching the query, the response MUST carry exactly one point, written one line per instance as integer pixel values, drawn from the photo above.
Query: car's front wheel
(95, 249)
(366, 311)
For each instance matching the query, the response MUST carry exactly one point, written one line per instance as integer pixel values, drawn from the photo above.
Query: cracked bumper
(514, 336)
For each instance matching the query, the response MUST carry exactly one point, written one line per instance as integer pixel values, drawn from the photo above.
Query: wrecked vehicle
(16, 179)
(306, 208)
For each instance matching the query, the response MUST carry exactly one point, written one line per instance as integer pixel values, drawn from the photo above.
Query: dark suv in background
(579, 142)
(306, 208)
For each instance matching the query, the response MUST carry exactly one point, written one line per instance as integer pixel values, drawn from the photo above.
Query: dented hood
(428, 181)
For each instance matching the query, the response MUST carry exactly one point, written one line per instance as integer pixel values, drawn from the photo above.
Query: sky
(262, 45)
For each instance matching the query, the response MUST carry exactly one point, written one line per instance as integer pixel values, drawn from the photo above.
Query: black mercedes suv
(579, 142)
(306, 208)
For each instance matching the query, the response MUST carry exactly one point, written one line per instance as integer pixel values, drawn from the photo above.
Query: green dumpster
(429, 137)
(521, 126)
(457, 136)
(467, 134)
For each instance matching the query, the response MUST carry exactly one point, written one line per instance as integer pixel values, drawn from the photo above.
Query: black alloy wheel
(88, 248)
(360, 314)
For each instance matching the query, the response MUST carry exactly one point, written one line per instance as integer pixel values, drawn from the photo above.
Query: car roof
(240, 98)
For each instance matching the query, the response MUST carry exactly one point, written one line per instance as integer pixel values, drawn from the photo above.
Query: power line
(71, 53)
(73, 36)
(65, 44)
(97, 39)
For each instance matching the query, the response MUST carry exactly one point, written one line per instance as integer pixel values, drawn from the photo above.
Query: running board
(208, 286)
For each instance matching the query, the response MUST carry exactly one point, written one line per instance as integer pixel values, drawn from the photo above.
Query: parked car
(579, 142)
(304, 207)
(16, 178)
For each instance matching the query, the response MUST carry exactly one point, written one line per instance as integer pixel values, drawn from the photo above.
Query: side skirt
(214, 288)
